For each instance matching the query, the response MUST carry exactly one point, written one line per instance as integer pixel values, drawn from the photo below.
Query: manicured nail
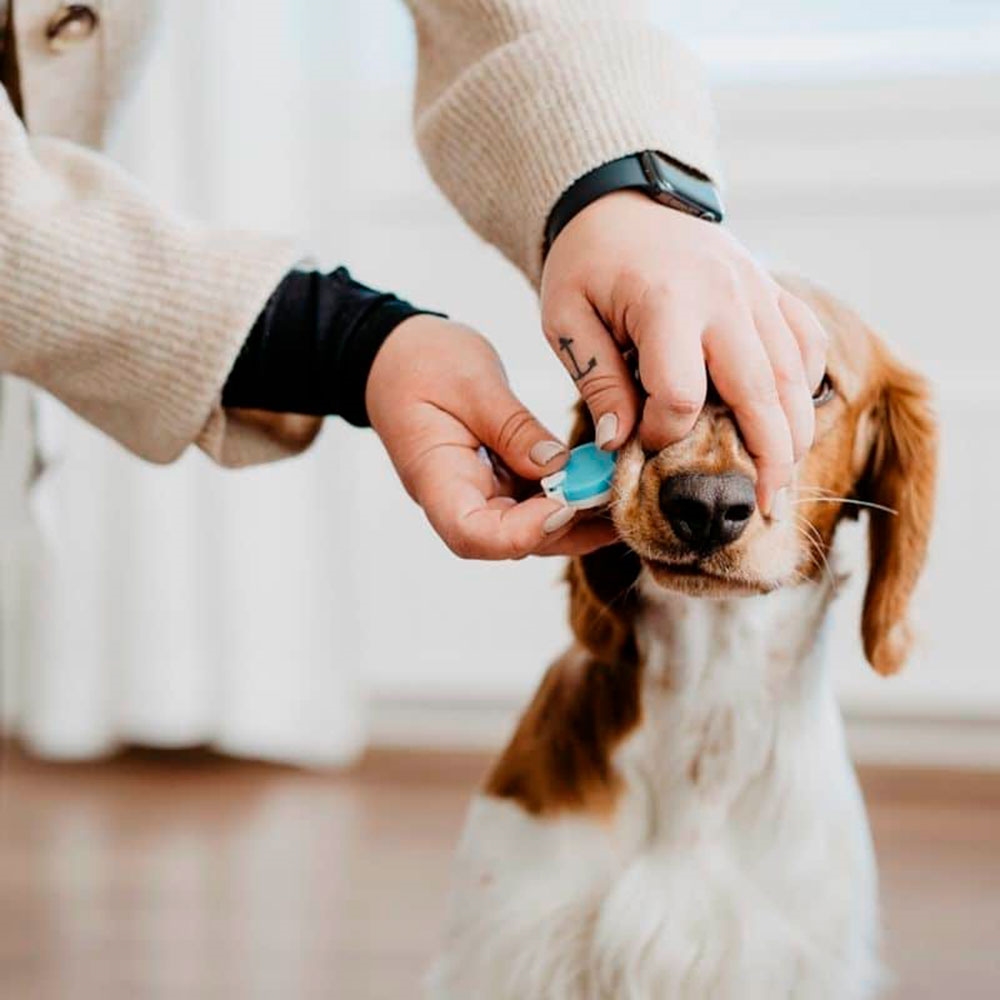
(607, 430)
(781, 505)
(558, 519)
(544, 451)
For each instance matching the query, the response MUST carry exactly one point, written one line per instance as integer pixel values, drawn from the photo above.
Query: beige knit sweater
(133, 316)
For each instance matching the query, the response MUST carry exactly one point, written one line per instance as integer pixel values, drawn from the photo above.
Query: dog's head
(688, 513)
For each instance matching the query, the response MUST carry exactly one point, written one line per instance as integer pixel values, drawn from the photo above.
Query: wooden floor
(185, 875)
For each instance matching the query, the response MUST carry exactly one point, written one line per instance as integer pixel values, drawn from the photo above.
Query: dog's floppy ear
(602, 597)
(900, 474)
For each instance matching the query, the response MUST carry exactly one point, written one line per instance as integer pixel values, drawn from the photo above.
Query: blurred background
(300, 611)
(303, 613)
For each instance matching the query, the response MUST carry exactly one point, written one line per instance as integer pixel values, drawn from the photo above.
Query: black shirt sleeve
(313, 346)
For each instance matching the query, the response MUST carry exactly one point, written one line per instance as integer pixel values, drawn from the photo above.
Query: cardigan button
(71, 24)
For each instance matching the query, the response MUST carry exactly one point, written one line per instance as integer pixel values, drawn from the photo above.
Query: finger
(789, 375)
(592, 358)
(508, 428)
(672, 369)
(581, 538)
(742, 373)
(812, 339)
(503, 532)
(455, 490)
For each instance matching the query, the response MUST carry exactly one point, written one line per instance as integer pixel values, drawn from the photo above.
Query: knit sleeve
(130, 315)
(516, 99)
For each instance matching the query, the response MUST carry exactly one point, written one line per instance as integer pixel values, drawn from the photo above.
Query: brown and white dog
(676, 815)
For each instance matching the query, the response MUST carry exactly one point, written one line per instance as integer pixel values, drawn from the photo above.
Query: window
(838, 39)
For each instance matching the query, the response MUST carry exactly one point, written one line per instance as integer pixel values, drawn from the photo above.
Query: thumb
(512, 432)
(588, 351)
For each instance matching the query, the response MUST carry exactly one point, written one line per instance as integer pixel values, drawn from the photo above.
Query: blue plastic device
(585, 480)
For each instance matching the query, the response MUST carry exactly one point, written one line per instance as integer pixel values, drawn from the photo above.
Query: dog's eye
(824, 392)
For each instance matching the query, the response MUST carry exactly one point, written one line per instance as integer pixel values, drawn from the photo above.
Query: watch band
(654, 174)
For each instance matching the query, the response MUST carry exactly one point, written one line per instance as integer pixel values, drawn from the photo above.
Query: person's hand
(688, 296)
(436, 395)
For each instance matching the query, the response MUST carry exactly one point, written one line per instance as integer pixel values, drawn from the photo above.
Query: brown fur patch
(901, 475)
(560, 756)
(879, 446)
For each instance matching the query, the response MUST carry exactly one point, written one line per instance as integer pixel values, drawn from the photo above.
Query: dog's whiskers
(811, 536)
(848, 500)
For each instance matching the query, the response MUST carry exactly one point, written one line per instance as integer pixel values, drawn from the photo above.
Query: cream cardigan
(133, 316)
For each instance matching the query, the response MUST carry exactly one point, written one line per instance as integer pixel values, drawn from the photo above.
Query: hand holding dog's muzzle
(628, 273)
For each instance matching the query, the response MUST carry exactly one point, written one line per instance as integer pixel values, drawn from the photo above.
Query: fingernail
(781, 505)
(607, 430)
(544, 451)
(558, 519)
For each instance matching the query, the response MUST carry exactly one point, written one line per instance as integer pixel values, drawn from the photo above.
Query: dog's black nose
(707, 512)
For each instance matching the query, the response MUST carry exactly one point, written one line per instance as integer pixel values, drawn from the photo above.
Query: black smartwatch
(656, 175)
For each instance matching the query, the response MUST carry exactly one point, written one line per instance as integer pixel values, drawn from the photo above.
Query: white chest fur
(737, 865)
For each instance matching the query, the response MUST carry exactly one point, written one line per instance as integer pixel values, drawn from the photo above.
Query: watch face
(677, 187)
(674, 200)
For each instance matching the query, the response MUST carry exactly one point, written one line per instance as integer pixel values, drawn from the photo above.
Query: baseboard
(924, 741)
(454, 724)
(482, 725)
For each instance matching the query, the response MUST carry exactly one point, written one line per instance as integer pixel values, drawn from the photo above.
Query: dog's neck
(734, 699)
(768, 644)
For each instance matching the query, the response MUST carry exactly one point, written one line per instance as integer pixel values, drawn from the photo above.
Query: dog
(676, 816)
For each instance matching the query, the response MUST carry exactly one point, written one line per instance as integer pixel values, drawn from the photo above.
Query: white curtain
(262, 611)
(184, 605)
